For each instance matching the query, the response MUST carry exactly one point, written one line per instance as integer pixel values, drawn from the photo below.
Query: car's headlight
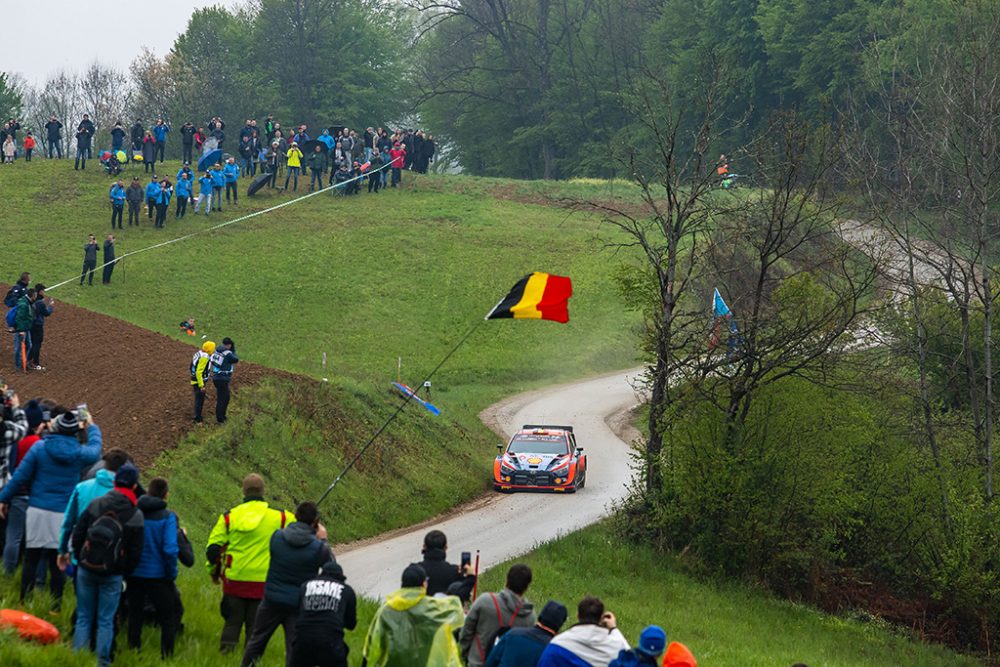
(506, 467)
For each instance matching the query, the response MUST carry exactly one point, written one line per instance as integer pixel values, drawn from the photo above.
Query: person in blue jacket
(232, 174)
(222, 362)
(183, 192)
(163, 202)
(154, 577)
(86, 491)
(51, 469)
(152, 194)
(117, 196)
(218, 182)
(160, 134)
(204, 194)
(522, 647)
(186, 169)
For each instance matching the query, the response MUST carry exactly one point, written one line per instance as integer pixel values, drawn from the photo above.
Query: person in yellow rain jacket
(239, 554)
(200, 369)
(294, 164)
(413, 629)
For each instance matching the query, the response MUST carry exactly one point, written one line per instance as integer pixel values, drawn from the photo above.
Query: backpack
(103, 551)
(11, 318)
(504, 629)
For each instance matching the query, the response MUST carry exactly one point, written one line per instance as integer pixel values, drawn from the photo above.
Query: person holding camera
(53, 135)
(51, 469)
(440, 573)
(594, 640)
(493, 614)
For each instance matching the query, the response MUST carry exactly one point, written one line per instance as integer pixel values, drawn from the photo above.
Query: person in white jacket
(593, 642)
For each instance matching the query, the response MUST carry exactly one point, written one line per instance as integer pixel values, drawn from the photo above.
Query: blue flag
(719, 307)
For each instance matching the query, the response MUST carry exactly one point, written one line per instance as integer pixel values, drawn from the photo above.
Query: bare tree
(106, 93)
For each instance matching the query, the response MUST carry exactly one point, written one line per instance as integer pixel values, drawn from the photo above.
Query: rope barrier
(223, 224)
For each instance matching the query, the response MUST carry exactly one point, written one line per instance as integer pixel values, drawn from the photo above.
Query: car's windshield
(538, 444)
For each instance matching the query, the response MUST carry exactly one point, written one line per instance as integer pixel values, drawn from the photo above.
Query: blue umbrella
(209, 158)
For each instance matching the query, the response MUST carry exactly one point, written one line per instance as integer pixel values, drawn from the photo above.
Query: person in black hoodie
(109, 519)
(440, 573)
(298, 551)
(136, 134)
(187, 141)
(327, 607)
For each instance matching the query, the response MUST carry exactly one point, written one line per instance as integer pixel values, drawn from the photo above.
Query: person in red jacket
(29, 145)
(398, 155)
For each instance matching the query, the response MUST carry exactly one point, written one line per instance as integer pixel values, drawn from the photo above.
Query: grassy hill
(368, 280)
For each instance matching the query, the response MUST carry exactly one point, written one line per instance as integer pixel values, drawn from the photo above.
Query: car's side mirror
(500, 446)
(579, 450)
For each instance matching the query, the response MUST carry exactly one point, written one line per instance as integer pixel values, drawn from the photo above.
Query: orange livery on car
(541, 457)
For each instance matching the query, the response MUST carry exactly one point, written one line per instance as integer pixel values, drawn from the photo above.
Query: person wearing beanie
(413, 629)
(493, 614)
(14, 533)
(51, 469)
(107, 544)
(594, 640)
(298, 552)
(524, 646)
(43, 308)
(652, 642)
(327, 607)
(154, 576)
(222, 361)
(243, 536)
(679, 655)
(201, 368)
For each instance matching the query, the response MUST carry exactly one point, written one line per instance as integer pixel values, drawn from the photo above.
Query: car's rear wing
(554, 427)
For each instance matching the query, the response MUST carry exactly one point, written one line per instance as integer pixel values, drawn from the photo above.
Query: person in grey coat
(494, 613)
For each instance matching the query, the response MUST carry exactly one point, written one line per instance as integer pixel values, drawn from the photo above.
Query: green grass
(723, 624)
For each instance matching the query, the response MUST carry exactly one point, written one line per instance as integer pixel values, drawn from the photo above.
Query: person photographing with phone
(51, 469)
(441, 574)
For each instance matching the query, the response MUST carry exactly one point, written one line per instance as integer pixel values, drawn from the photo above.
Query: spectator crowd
(374, 158)
(71, 508)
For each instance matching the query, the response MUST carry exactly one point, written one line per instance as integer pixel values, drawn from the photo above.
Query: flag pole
(392, 417)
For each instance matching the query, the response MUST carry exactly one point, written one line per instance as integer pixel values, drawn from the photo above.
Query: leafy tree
(10, 98)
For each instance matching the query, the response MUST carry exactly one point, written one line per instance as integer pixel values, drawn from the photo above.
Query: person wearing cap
(327, 607)
(494, 613)
(101, 571)
(117, 197)
(222, 362)
(238, 555)
(652, 642)
(595, 639)
(154, 576)
(521, 647)
(413, 629)
(51, 469)
(294, 161)
(204, 193)
(163, 203)
(184, 187)
(297, 553)
(201, 368)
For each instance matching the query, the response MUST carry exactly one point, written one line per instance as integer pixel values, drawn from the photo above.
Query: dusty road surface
(503, 526)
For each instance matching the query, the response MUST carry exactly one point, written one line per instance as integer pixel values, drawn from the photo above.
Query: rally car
(541, 457)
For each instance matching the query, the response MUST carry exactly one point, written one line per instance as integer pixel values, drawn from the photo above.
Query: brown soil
(135, 382)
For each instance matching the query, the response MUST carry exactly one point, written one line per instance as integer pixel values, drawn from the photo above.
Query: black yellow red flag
(537, 296)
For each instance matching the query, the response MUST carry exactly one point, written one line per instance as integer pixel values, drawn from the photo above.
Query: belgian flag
(537, 296)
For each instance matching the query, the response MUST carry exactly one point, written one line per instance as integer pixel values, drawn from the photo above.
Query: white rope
(223, 224)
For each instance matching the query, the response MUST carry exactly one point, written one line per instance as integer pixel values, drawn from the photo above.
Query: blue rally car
(541, 458)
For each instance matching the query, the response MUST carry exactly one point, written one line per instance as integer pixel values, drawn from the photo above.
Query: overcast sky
(42, 36)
